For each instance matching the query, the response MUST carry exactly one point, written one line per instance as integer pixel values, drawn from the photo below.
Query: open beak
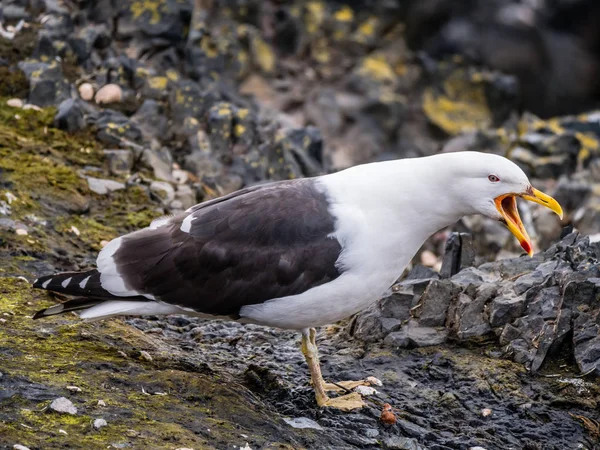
(507, 207)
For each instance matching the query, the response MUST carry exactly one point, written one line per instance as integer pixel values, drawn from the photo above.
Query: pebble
(145, 355)
(486, 412)
(103, 187)
(374, 381)
(15, 102)
(477, 448)
(21, 232)
(63, 405)
(110, 93)
(30, 106)
(99, 423)
(20, 447)
(86, 91)
(101, 403)
(303, 422)
(365, 390)
(74, 388)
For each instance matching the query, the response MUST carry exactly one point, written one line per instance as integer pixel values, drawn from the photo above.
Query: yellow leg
(345, 402)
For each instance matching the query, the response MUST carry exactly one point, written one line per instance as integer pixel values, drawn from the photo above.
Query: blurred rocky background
(114, 113)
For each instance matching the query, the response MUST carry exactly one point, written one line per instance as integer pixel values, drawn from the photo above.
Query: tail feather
(75, 304)
(87, 286)
(74, 283)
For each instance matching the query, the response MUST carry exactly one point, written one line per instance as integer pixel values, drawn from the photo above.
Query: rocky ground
(112, 114)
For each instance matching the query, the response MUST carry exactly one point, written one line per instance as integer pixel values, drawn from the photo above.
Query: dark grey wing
(270, 241)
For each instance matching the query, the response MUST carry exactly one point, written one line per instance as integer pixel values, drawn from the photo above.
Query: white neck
(391, 208)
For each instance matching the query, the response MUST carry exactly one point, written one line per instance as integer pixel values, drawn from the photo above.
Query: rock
(120, 162)
(15, 102)
(99, 423)
(151, 119)
(434, 303)
(20, 447)
(47, 84)
(109, 93)
(163, 190)
(402, 443)
(63, 405)
(459, 254)
(160, 160)
(413, 335)
(506, 307)
(115, 129)
(526, 282)
(302, 422)
(469, 320)
(86, 91)
(103, 187)
(70, 116)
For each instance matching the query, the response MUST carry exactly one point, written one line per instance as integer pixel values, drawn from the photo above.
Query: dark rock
(114, 127)
(119, 161)
(402, 443)
(420, 272)
(459, 253)
(469, 320)
(434, 303)
(70, 116)
(413, 335)
(151, 120)
(47, 84)
(546, 303)
(367, 325)
(399, 304)
(526, 282)
(506, 307)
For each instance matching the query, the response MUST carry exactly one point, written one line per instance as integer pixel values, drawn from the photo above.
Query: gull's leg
(310, 351)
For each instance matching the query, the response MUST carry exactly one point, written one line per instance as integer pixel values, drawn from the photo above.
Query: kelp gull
(297, 254)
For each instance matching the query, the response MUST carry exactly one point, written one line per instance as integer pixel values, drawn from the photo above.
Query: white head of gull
(297, 254)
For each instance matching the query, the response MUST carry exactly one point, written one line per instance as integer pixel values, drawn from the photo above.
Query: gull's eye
(493, 178)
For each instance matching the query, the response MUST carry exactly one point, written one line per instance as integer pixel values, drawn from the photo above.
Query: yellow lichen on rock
(460, 106)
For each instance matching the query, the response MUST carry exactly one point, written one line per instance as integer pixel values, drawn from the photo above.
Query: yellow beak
(507, 207)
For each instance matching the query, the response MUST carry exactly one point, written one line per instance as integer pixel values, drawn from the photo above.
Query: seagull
(297, 254)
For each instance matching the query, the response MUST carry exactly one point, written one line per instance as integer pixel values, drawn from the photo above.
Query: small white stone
(20, 447)
(15, 102)
(145, 355)
(102, 187)
(74, 388)
(477, 448)
(365, 390)
(374, 381)
(21, 231)
(86, 91)
(486, 412)
(99, 423)
(75, 230)
(302, 423)
(101, 403)
(63, 431)
(180, 176)
(63, 405)
(30, 106)
(246, 447)
(110, 93)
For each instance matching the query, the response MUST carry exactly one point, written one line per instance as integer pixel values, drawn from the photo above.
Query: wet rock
(63, 405)
(402, 443)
